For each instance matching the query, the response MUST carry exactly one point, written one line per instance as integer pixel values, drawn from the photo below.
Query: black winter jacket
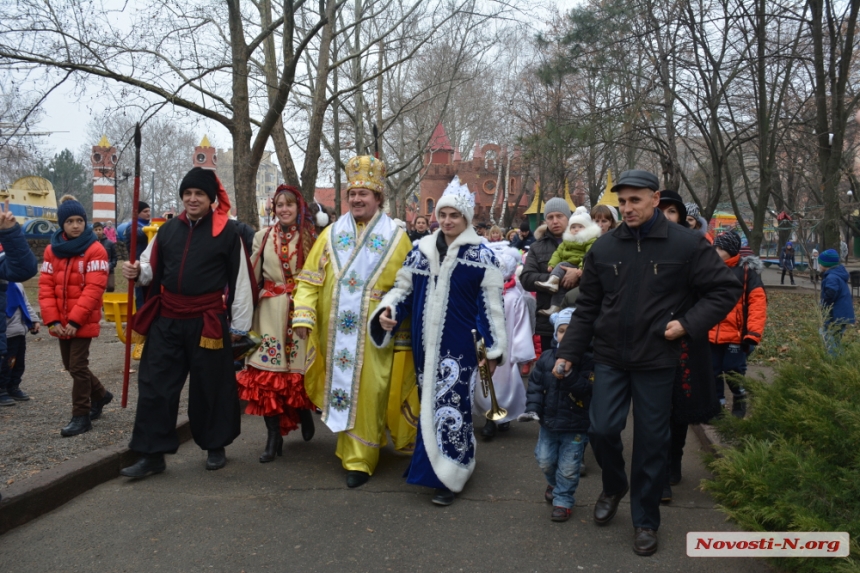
(110, 249)
(534, 270)
(631, 289)
(561, 404)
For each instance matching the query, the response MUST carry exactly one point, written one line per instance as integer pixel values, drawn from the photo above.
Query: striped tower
(104, 161)
(204, 155)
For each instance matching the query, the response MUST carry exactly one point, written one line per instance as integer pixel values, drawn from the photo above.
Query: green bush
(794, 462)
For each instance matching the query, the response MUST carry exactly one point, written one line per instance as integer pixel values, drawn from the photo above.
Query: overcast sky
(68, 115)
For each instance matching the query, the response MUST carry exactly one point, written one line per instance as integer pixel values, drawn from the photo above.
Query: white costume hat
(457, 196)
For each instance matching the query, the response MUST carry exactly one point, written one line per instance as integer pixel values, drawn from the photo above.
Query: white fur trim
(455, 203)
(452, 475)
(591, 231)
(401, 289)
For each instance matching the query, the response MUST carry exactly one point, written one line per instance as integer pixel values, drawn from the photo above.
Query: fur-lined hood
(752, 262)
(588, 233)
(540, 232)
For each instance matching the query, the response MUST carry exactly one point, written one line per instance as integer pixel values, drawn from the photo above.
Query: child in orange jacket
(736, 336)
(73, 279)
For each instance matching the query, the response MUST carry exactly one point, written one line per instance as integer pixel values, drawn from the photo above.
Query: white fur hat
(457, 196)
(582, 217)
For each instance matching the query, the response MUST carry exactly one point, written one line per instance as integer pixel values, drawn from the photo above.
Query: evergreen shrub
(794, 463)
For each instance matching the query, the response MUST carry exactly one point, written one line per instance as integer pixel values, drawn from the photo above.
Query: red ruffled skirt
(274, 394)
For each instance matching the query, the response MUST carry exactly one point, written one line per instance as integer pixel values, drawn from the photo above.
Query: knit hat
(457, 196)
(561, 317)
(556, 205)
(199, 178)
(524, 227)
(729, 241)
(69, 207)
(692, 210)
(829, 258)
(141, 205)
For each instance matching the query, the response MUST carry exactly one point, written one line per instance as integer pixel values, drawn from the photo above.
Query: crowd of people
(376, 329)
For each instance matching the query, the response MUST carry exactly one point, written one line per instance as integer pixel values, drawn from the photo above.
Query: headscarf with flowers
(304, 225)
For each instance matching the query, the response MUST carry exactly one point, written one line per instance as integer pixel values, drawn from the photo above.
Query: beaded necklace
(286, 254)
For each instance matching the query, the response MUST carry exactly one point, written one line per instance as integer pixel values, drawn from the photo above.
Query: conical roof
(439, 140)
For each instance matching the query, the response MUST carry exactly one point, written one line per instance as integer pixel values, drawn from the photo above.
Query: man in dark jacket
(110, 248)
(556, 213)
(17, 262)
(636, 301)
(525, 238)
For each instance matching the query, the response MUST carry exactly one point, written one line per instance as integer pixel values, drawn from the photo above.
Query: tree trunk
(244, 171)
(320, 103)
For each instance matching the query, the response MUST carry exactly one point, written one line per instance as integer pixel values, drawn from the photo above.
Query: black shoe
(356, 478)
(607, 506)
(308, 428)
(18, 395)
(97, 406)
(504, 426)
(644, 542)
(583, 471)
(667, 494)
(217, 459)
(675, 472)
(147, 465)
(560, 513)
(78, 425)
(6, 400)
(547, 495)
(488, 432)
(443, 497)
(274, 439)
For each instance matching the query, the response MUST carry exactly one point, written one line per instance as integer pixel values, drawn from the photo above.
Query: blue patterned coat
(445, 301)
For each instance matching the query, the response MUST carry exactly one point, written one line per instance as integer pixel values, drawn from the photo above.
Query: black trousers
(651, 392)
(171, 353)
(12, 367)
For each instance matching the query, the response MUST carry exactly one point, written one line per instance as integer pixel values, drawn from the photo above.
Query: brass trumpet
(495, 413)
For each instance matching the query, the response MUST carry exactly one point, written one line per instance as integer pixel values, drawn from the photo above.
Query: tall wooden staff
(132, 255)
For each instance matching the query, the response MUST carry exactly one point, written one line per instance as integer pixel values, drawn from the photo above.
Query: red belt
(171, 305)
(271, 288)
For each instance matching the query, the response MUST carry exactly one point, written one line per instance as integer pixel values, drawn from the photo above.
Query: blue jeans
(832, 336)
(559, 455)
(727, 359)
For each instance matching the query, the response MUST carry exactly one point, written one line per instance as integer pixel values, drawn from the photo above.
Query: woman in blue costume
(449, 285)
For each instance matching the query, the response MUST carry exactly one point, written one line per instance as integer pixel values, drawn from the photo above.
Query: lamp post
(152, 189)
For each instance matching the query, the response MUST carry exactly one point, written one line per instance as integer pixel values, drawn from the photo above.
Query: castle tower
(439, 149)
(104, 160)
(205, 155)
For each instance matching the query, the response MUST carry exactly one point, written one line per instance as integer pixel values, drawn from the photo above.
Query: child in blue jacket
(561, 407)
(835, 299)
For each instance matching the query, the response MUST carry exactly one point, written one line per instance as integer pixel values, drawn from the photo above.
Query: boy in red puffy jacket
(73, 280)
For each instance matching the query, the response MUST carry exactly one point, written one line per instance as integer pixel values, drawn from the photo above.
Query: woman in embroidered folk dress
(273, 379)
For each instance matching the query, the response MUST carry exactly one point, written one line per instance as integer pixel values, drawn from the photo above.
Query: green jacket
(571, 252)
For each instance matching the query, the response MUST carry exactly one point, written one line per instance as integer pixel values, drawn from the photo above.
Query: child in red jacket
(73, 278)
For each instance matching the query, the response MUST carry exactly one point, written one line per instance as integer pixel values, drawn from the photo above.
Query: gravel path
(30, 439)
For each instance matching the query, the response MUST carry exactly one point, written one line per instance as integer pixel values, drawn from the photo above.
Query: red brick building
(442, 162)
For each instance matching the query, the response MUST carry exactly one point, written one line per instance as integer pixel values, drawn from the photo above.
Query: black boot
(274, 439)
(216, 459)
(78, 425)
(307, 420)
(147, 465)
(98, 405)
(739, 406)
(488, 432)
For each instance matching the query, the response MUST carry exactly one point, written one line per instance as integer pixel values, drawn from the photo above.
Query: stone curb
(48, 490)
(708, 437)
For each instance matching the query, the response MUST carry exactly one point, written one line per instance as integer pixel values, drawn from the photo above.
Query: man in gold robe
(347, 272)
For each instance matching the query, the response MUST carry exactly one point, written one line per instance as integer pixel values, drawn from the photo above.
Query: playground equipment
(115, 306)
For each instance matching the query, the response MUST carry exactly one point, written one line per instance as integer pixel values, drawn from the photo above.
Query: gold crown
(365, 172)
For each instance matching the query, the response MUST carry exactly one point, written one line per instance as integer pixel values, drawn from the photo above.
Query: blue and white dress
(445, 300)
